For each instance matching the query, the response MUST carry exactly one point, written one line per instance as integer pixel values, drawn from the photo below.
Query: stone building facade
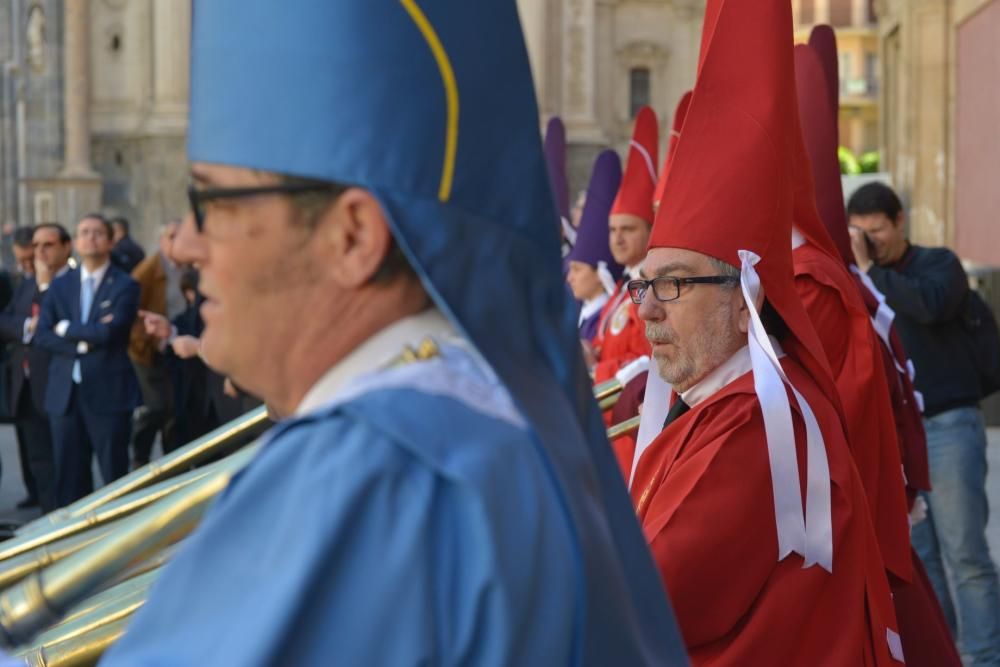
(595, 62)
(939, 130)
(93, 110)
(856, 26)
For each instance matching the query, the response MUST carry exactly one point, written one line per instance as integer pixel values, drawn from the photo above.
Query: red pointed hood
(732, 181)
(639, 180)
(731, 193)
(819, 130)
(824, 41)
(675, 132)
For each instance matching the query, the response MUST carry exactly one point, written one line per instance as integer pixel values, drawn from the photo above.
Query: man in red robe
(634, 391)
(749, 497)
(852, 348)
(620, 335)
(925, 635)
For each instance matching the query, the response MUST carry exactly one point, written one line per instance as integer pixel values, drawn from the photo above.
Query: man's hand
(588, 354)
(859, 244)
(229, 389)
(42, 274)
(33, 325)
(156, 325)
(186, 347)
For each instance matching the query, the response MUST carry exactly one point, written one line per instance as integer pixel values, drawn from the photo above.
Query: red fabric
(823, 40)
(927, 641)
(905, 409)
(675, 132)
(732, 182)
(621, 337)
(854, 352)
(819, 130)
(703, 495)
(635, 196)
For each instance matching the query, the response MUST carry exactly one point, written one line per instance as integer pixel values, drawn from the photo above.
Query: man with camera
(929, 292)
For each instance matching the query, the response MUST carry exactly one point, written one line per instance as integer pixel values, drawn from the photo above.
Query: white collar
(731, 369)
(798, 240)
(97, 274)
(379, 349)
(592, 306)
(632, 272)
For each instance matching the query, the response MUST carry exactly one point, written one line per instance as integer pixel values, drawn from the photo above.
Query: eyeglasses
(667, 288)
(198, 198)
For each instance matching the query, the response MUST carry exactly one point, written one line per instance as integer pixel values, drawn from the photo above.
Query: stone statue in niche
(36, 38)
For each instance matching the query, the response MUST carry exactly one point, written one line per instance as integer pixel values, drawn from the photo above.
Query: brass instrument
(625, 428)
(206, 447)
(607, 393)
(72, 579)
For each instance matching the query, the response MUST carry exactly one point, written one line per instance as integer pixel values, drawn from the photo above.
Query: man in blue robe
(368, 177)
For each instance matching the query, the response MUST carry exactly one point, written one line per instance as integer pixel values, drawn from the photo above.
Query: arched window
(638, 90)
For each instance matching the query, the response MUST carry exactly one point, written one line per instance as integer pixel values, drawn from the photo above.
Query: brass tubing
(141, 582)
(151, 564)
(609, 402)
(624, 428)
(175, 462)
(80, 651)
(16, 568)
(122, 605)
(107, 513)
(42, 598)
(607, 389)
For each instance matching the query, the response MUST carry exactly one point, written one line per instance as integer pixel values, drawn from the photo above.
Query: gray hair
(724, 269)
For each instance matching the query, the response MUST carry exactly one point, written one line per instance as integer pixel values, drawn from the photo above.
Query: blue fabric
(352, 92)
(952, 540)
(403, 527)
(86, 301)
(108, 383)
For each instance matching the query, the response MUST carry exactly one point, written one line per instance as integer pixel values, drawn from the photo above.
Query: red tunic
(854, 351)
(909, 421)
(704, 498)
(621, 337)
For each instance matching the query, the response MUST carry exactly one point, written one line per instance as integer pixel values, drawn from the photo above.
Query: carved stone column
(76, 107)
(171, 51)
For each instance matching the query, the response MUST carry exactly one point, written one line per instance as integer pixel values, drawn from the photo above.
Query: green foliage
(848, 163)
(869, 162)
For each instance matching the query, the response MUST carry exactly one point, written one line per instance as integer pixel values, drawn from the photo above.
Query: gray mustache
(659, 334)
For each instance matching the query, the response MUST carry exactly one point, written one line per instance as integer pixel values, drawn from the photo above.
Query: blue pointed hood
(429, 105)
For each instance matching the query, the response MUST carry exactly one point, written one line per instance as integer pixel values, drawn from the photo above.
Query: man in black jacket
(126, 253)
(927, 289)
(29, 364)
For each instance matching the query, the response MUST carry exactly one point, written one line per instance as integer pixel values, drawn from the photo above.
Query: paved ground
(11, 484)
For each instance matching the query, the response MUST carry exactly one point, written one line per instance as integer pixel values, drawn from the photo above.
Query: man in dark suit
(85, 322)
(29, 365)
(125, 252)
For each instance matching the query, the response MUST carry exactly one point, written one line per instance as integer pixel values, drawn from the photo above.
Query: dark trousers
(157, 412)
(34, 443)
(76, 437)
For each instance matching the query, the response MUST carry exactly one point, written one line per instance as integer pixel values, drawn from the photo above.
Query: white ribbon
(604, 275)
(569, 231)
(646, 158)
(655, 406)
(632, 369)
(884, 315)
(809, 533)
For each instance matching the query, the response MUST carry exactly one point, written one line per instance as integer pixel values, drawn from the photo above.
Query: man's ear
(354, 237)
(743, 312)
